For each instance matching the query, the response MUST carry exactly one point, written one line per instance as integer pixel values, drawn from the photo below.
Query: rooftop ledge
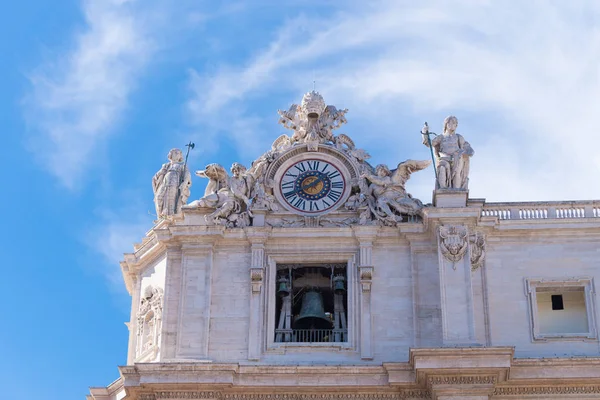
(529, 210)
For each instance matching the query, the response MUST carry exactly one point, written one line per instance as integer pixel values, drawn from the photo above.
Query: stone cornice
(544, 390)
(430, 372)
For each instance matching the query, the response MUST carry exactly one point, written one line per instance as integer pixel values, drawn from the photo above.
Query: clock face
(312, 186)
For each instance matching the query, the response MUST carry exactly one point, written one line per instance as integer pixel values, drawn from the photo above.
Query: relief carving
(453, 243)
(312, 121)
(256, 278)
(149, 320)
(477, 241)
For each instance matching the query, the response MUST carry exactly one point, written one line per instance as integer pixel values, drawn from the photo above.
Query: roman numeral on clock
(300, 167)
(289, 195)
(287, 185)
(333, 174)
(300, 203)
(334, 195)
(313, 206)
(337, 185)
(313, 165)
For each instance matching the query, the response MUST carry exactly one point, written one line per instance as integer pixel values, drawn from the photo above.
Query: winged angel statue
(235, 196)
(386, 196)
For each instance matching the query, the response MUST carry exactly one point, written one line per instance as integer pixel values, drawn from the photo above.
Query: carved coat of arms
(453, 243)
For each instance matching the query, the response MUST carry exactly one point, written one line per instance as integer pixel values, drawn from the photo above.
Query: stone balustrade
(542, 210)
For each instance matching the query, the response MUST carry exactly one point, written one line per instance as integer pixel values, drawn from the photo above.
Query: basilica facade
(312, 274)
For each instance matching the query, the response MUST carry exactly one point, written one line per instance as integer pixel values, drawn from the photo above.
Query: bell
(338, 284)
(283, 289)
(312, 314)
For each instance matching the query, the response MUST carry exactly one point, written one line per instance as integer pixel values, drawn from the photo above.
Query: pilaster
(194, 315)
(257, 239)
(458, 321)
(365, 236)
(171, 301)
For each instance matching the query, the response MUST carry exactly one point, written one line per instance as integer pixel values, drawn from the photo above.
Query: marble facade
(440, 303)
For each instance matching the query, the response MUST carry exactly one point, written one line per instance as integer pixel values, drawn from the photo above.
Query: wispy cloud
(523, 79)
(113, 235)
(79, 96)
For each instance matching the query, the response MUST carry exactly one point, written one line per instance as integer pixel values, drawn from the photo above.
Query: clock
(312, 186)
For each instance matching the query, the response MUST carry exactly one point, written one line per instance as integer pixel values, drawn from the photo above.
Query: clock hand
(312, 184)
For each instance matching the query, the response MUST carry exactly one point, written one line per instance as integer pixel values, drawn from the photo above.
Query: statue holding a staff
(452, 155)
(171, 184)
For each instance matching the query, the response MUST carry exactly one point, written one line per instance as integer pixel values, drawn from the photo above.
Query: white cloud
(522, 77)
(78, 97)
(114, 235)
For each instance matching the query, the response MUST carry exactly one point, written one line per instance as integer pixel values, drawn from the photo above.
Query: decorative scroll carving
(477, 240)
(149, 319)
(366, 278)
(454, 242)
(287, 223)
(256, 279)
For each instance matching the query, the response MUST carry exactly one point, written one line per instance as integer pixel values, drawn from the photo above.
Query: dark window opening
(557, 302)
(311, 303)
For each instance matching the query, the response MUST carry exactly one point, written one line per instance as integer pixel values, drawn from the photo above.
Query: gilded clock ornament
(312, 186)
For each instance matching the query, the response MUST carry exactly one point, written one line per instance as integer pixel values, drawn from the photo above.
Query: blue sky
(94, 94)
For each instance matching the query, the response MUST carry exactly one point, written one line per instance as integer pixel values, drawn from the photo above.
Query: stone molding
(544, 390)
(218, 395)
(462, 380)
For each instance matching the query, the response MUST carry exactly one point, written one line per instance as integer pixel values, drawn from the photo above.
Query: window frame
(560, 286)
(348, 258)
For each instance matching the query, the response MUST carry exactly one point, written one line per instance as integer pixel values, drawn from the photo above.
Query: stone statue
(312, 121)
(452, 153)
(171, 185)
(386, 196)
(229, 195)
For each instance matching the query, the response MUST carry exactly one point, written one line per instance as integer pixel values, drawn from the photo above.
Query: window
(561, 308)
(311, 303)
